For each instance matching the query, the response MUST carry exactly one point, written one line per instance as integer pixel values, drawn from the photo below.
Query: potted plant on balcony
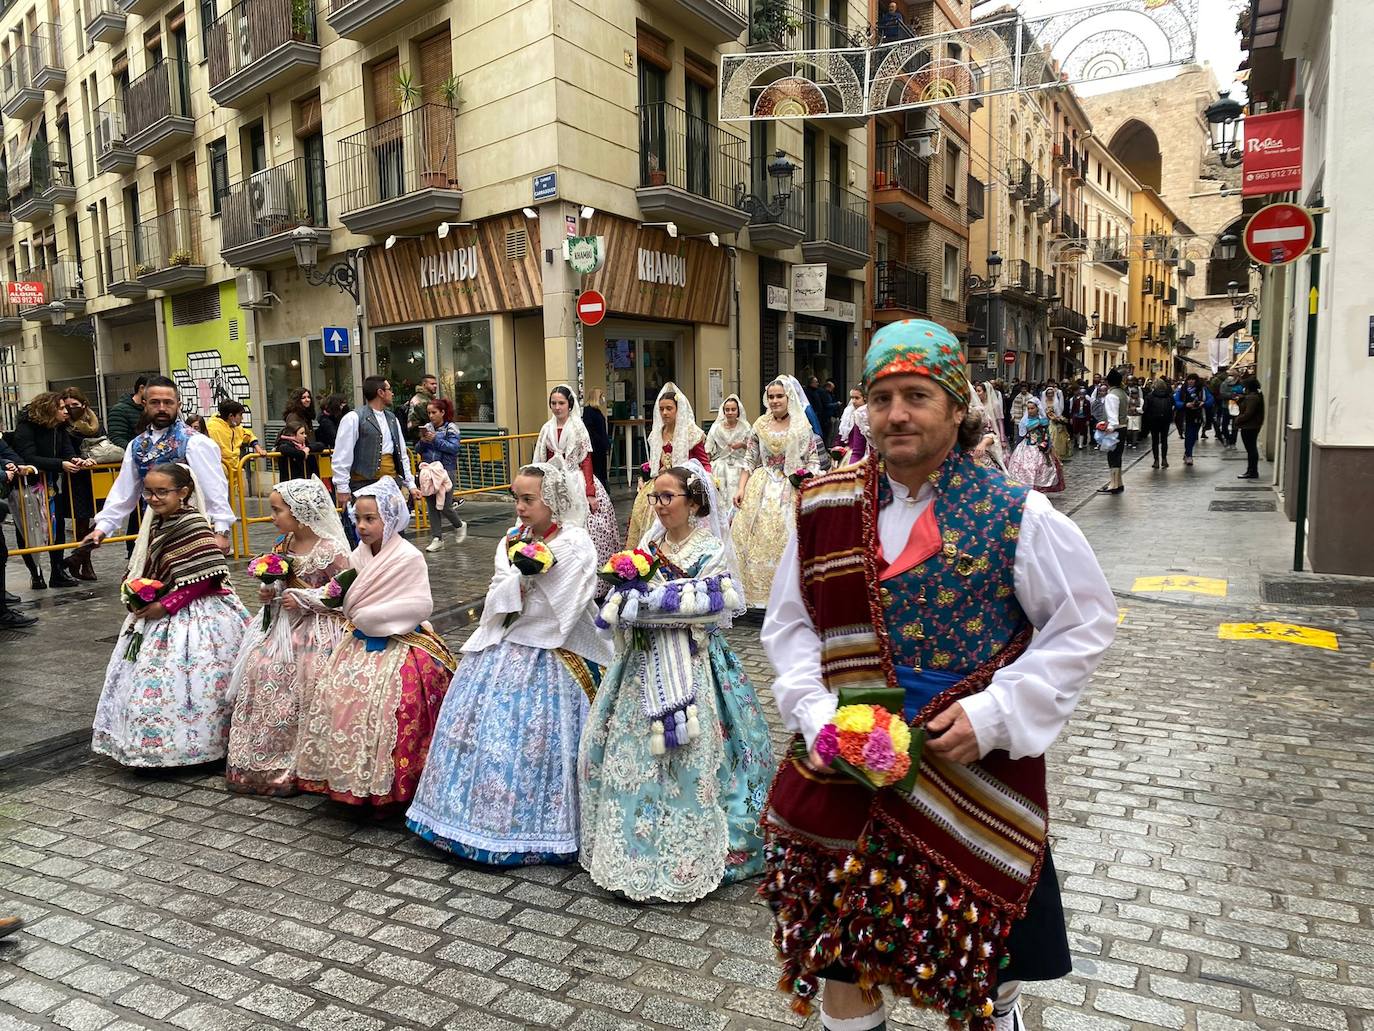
(451, 89)
(772, 22)
(179, 259)
(143, 269)
(300, 21)
(656, 175)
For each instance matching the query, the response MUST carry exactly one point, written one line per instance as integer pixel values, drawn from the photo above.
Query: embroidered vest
(957, 609)
(367, 453)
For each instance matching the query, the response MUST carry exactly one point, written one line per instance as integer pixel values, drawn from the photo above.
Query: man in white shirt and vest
(371, 444)
(923, 587)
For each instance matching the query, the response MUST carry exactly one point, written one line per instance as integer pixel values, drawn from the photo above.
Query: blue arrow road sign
(336, 340)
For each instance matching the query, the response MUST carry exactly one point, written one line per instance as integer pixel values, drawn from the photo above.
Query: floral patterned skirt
(674, 827)
(500, 786)
(760, 530)
(604, 531)
(170, 706)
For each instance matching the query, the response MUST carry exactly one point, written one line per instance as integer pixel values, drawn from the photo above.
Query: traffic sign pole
(1309, 366)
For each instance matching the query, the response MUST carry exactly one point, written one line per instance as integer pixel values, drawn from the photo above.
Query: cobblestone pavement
(1212, 807)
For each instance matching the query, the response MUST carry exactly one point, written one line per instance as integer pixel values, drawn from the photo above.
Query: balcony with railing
(1112, 333)
(1171, 297)
(836, 226)
(1038, 196)
(1186, 269)
(781, 25)
(1020, 179)
(1159, 289)
(106, 22)
(777, 220)
(402, 173)
(258, 46)
(168, 251)
(901, 182)
(61, 188)
(258, 214)
(1186, 343)
(900, 292)
(20, 99)
(11, 321)
(28, 184)
(1067, 321)
(64, 291)
(122, 258)
(1020, 276)
(719, 21)
(1186, 305)
(690, 170)
(49, 70)
(112, 152)
(157, 108)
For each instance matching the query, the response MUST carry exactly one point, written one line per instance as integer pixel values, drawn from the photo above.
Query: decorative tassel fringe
(890, 918)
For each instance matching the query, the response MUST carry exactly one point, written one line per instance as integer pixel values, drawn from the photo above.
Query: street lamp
(1233, 290)
(780, 171)
(1223, 120)
(1097, 322)
(343, 274)
(1227, 247)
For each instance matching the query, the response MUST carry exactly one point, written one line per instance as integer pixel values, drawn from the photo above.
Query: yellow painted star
(1312, 637)
(1190, 584)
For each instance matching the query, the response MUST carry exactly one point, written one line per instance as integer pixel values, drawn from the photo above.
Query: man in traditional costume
(918, 578)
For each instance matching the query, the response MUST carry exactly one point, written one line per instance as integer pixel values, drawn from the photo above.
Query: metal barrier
(485, 464)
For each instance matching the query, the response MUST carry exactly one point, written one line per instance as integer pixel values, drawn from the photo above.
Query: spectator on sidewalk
(293, 450)
(1135, 407)
(332, 410)
(126, 414)
(228, 431)
(12, 467)
(418, 415)
(1193, 400)
(439, 443)
(1080, 418)
(195, 422)
(44, 441)
(1017, 411)
(1248, 424)
(91, 444)
(594, 417)
(1157, 419)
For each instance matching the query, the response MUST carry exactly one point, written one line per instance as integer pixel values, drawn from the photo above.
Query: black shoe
(13, 599)
(38, 583)
(59, 577)
(11, 620)
(1156, 465)
(1108, 489)
(1117, 490)
(1248, 476)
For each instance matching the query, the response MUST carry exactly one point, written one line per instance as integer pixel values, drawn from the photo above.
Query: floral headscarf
(918, 347)
(391, 506)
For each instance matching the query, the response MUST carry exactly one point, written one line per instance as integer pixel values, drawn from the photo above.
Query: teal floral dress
(676, 826)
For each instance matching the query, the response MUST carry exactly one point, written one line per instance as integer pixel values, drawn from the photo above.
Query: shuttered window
(652, 48)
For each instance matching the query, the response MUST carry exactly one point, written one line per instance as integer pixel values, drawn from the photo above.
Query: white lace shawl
(686, 433)
(797, 444)
(720, 438)
(574, 443)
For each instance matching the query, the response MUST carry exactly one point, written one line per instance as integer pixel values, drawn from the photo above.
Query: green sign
(586, 253)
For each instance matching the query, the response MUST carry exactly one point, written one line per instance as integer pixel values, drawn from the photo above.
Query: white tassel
(631, 607)
(693, 724)
(658, 745)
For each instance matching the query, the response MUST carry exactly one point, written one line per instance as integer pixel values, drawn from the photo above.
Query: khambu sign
(1273, 153)
(661, 268)
(451, 266)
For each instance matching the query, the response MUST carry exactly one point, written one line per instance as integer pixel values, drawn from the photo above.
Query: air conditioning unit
(268, 197)
(106, 132)
(252, 290)
(922, 120)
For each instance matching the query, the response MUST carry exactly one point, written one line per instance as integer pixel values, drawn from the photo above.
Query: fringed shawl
(183, 551)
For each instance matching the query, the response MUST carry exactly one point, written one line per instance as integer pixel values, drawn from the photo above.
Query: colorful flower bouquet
(627, 568)
(799, 477)
(645, 471)
(870, 744)
(531, 557)
(271, 568)
(137, 593)
(333, 594)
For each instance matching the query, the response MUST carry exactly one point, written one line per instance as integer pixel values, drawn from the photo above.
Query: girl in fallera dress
(672, 816)
(1034, 462)
(728, 446)
(674, 438)
(274, 681)
(366, 734)
(783, 443)
(565, 435)
(166, 697)
(500, 786)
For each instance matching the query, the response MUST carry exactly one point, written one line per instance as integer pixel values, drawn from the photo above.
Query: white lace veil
(391, 506)
(145, 527)
(799, 432)
(978, 410)
(313, 507)
(717, 523)
(686, 432)
(563, 490)
(575, 443)
(722, 435)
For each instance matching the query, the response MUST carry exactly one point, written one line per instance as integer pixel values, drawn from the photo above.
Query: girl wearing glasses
(500, 784)
(674, 438)
(783, 443)
(672, 816)
(166, 699)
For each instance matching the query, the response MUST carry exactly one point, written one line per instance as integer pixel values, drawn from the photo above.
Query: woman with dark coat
(300, 411)
(332, 410)
(1157, 419)
(83, 424)
(45, 442)
(1248, 422)
(594, 418)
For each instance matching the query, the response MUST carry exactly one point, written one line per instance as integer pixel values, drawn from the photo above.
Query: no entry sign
(1009, 357)
(591, 307)
(1279, 234)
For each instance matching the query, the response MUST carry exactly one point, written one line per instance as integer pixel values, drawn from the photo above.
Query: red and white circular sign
(1279, 233)
(591, 307)
(1009, 357)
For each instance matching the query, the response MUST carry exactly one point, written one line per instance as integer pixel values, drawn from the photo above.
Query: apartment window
(950, 281)
(951, 170)
(219, 174)
(207, 18)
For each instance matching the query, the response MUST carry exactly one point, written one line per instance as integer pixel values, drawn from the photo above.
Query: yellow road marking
(1121, 616)
(1311, 636)
(1191, 584)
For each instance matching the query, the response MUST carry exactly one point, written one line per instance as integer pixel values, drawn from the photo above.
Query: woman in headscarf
(500, 786)
(674, 765)
(565, 435)
(166, 698)
(1034, 462)
(274, 681)
(782, 445)
(367, 732)
(988, 451)
(728, 446)
(673, 439)
(852, 437)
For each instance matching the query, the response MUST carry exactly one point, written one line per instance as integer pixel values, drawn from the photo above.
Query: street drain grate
(1240, 505)
(1318, 592)
(1250, 490)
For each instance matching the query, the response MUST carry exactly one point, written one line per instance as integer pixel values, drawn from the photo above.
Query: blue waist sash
(921, 686)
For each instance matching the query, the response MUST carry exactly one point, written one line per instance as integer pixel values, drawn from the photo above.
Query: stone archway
(1136, 146)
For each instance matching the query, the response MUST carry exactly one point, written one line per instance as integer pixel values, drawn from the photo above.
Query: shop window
(329, 374)
(465, 369)
(282, 374)
(401, 359)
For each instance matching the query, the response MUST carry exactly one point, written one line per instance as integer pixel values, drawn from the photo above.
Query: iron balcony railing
(252, 29)
(163, 91)
(59, 167)
(17, 72)
(1148, 286)
(1067, 318)
(901, 287)
(1171, 298)
(788, 26)
(31, 174)
(899, 167)
(1037, 198)
(837, 215)
(1021, 277)
(1019, 178)
(1112, 333)
(765, 205)
(275, 200)
(686, 151)
(416, 150)
(1159, 289)
(977, 203)
(1063, 149)
(47, 47)
(170, 240)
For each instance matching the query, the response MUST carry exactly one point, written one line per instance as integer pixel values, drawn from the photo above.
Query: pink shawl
(391, 594)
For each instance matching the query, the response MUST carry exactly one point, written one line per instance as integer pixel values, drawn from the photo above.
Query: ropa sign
(1273, 153)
